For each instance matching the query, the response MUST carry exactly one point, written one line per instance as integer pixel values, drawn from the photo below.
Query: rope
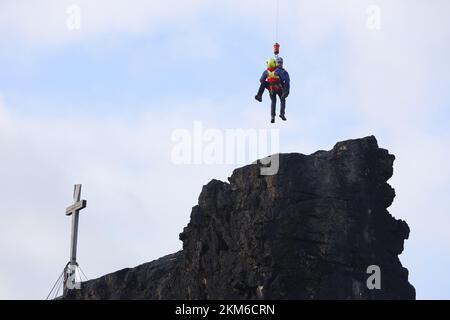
(87, 279)
(61, 284)
(276, 20)
(55, 285)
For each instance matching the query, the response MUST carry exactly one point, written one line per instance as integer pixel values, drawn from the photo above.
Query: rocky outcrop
(308, 232)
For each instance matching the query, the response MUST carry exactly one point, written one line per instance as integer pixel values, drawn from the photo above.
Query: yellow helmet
(271, 63)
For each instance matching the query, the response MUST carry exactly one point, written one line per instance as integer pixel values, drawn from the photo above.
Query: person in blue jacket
(282, 91)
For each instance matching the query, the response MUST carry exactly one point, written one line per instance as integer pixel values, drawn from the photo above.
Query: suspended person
(285, 87)
(276, 80)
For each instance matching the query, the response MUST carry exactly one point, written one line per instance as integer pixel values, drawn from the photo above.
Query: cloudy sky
(98, 105)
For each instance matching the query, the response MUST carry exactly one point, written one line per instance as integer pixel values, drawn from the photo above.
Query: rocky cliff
(308, 232)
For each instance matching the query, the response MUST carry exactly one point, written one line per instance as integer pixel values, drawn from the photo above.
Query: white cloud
(44, 22)
(3, 115)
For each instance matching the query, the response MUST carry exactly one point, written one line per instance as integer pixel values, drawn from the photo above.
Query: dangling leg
(283, 96)
(273, 106)
(262, 86)
(282, 108)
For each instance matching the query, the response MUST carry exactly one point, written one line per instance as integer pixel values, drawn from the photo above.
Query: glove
(285, 94)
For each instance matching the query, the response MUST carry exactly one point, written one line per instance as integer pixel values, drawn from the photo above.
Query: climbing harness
(273, 78)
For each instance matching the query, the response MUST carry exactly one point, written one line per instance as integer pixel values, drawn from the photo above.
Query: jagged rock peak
(313, 230)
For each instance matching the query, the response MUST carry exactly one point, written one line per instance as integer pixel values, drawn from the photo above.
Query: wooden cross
(74, 211)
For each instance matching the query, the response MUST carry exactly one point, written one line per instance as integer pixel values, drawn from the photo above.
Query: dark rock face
(308, 232)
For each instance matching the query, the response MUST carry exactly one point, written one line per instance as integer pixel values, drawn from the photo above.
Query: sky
(92, 93)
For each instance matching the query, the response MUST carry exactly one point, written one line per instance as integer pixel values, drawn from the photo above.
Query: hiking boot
(283, 117)
(273, 120)
(258, 97)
